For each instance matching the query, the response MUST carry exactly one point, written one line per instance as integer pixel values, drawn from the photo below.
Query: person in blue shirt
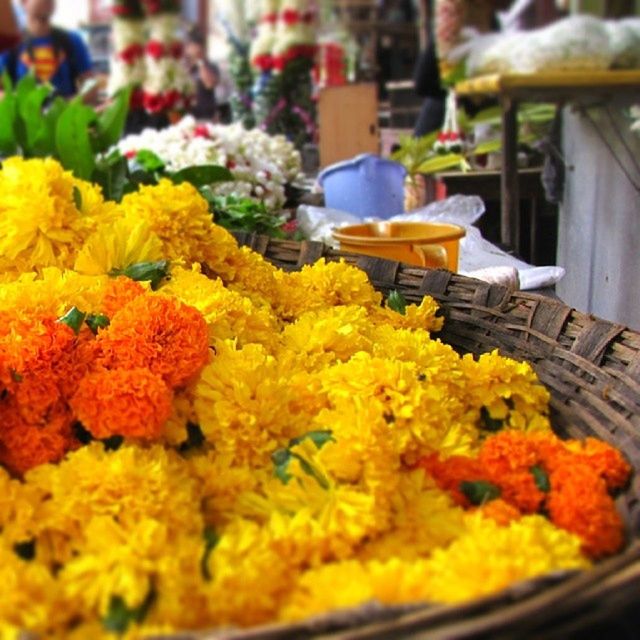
(53, 55)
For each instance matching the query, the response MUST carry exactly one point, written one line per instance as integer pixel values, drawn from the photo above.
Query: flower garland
(262, 164)
(283, 54)
(262, 445)
(148, 54)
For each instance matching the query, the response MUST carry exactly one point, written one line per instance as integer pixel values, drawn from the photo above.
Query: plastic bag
(478, 256)
(572, 44)
(624, 43)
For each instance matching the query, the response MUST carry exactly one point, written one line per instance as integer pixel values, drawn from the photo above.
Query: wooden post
(510, 196)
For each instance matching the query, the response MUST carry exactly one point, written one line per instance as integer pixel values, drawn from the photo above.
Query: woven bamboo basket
(592, 369)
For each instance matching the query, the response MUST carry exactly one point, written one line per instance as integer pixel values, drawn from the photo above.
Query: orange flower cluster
(517, 473)
(119, 382)
(37, 357)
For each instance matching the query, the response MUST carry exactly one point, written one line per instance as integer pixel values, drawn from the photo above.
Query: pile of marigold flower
(191, 438)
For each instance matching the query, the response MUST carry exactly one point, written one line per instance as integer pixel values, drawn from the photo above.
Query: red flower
(201, 131)
(132, 53)
(130, 155)
(176, 49)
(156, 49)
(153, 103)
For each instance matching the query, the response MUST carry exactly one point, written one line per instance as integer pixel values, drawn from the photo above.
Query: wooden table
(487, 185)
(584, 87)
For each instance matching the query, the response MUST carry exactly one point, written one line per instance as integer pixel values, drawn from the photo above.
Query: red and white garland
(450, 139)
(148, 55)
(287, 30)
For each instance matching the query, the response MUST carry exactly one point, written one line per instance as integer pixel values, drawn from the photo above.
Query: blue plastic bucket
(367, 185)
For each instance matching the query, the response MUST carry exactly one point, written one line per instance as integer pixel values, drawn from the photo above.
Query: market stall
(212, 426)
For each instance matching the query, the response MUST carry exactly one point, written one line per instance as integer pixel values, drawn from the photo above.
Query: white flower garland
(262, 164)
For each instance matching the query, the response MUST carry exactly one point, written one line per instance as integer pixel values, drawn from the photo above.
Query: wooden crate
(348, 122)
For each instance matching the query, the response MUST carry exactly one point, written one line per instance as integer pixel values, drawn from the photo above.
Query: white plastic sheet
(476, 254)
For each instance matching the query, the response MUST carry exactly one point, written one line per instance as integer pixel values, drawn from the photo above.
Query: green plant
(419, 157)
(118, 175)
(245, 214)
(35, 124)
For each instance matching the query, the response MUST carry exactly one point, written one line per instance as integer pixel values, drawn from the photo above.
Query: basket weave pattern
(592, 369)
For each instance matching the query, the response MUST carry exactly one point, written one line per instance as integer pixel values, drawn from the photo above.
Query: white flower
(261, 164)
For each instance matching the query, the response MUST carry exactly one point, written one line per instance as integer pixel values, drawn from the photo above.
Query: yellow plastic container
(426, 244)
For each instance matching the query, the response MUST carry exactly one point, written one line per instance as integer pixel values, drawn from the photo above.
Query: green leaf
(195, 438)
(25, 550)
(480, 492)
(73, 143)
(488, 423)
(7, 83)
(113, 443)
(8, 115)
(202, 175)
(319, 438)
(153, 272)
(112, 174)
(441, 163)
(397, 302)
(281, 459)
(74, 319)
(211, 540)
(310, 470)
(77, 198)
(541, 478)
(82, 435)
(45, 142)
(96, 322)
(149, 161)
(120, 617)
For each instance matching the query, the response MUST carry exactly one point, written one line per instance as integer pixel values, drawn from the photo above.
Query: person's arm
(9, 33)
(209, 74)
(83, 66)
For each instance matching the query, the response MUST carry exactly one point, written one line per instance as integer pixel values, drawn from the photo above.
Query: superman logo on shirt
(43, 61)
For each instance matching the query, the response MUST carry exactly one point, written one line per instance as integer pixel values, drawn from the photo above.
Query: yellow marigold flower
(249, 273)
(508, 389)
(321, 337)
(325, 284)
(131, 484)
(124, 569)
(118, 245)
(180, 217)
(40, 225)
(31, 599)
(221, 483)
(423, 518)
(422, 316)
(228, 314)
(330, 587)
(238, 592)
(490, 557)
(242, 404)
(53, 292)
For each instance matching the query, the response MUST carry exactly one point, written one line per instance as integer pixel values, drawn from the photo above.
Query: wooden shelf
(554, 85)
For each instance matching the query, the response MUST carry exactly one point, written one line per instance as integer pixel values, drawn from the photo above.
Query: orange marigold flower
(507, 458)
(508, 451)
(500, 512)
(157, 333)
(579, 503)
(604, 459)
(450, 473)
(120, 292)
(134, 403)
(520, 489)
(24, 446)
